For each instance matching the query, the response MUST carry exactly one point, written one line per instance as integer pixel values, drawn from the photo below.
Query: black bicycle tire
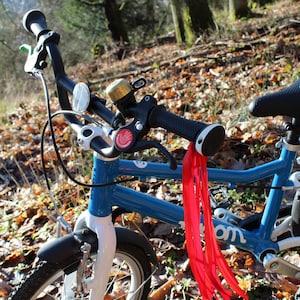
(44, 270)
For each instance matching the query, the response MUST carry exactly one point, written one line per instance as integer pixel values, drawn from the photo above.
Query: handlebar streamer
(204, 263)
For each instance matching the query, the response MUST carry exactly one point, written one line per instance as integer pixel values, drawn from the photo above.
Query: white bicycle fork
(106, 235)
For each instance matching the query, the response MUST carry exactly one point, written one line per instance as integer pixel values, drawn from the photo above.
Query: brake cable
(91, 120)
(52, 134)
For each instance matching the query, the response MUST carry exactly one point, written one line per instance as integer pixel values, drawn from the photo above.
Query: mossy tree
(239, 9)
(191, 18)
(115, 22)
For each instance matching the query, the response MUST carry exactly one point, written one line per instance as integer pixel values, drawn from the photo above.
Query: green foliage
(84, 30)
(248, 196)
(83, 20)
(12, 36)
(146, 19)
(143, 20)
(170, 263)
(84, 26)
(189, 34)
(263, 2)
(8, 46)
(217, 4)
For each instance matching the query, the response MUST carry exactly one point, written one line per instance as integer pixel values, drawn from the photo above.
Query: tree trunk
(115, 23)
(238, 9)
(263, 2)
(188, 26)
(201, 16)
(191, 18)
(177, 20)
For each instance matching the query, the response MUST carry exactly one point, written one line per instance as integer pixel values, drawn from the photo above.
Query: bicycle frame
(256, 241)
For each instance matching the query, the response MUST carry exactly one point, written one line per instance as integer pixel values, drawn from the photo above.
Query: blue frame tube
(160, 170)
(173, 214)
(273, 204)
(102, 199)
(148, 205)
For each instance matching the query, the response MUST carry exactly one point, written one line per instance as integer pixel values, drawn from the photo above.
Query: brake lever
(36, 57)
(31, 64)
(143, 145)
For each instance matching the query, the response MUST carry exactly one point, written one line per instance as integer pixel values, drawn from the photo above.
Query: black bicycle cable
(91, 120)
(263, 186)
(52, 134)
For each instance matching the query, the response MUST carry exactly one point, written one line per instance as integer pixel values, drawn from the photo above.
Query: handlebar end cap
(210, 139)
(32, 14)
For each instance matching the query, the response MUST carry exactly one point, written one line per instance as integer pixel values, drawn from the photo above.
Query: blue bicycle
(97, 259)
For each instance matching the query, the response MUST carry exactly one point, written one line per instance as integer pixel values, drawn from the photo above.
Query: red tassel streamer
(204, 263)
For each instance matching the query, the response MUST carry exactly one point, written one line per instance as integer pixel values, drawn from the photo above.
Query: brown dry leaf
(181, 62)
(20, 219)
(69, 214)
(245, 283)
(36, 189)
(27, 214)
(258, 135)
(170, 94)
(29, 128)
(271, 138)
(134, 217)
(201, 84)
(50, 156)
(163, 290)
(13, 259)
(249, 261)
(193, 78)
(284, 285)
(4, 289)
(164, 86)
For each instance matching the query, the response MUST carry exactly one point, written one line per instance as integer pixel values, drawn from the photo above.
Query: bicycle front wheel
(130, 278)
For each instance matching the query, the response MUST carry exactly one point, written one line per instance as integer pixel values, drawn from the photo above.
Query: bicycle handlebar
(207, 138)
(34, 21)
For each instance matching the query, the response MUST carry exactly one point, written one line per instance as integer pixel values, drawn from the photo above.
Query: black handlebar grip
(101, 147)
(98, 144)
(207, 138)
(34, 21)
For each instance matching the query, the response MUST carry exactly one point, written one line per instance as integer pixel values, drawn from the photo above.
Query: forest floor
(213, 81)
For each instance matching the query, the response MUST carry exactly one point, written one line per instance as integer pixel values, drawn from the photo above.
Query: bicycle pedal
(276, 264)
(219, 197)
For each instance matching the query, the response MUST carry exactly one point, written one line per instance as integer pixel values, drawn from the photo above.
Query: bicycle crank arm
(275, 264)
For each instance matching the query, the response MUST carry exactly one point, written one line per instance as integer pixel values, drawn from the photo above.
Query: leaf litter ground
(213, 82)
